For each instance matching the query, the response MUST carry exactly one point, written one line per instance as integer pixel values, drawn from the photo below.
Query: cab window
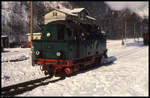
(60, 33)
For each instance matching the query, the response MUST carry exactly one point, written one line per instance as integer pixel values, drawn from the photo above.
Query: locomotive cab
(57, 31)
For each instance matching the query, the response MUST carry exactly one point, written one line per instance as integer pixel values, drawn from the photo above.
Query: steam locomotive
(67, 46)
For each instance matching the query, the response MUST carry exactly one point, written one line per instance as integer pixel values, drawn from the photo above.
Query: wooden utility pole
(123, 34)
(134, 31)
(31, 30)
(31, 22)
(125, 29)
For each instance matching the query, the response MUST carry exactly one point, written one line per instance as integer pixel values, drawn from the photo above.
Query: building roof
(72, 12)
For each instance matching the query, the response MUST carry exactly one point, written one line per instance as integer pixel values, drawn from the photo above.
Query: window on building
(36, 37)
(54, 13)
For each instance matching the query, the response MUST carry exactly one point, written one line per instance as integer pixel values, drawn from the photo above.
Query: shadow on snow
(93, 67)
(135, 43)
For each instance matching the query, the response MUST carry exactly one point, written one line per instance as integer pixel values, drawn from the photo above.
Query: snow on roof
(4, 36)
(103, 32)
(34, 33)
(90, 17)
(72, 12)
(66, 11)
(77, 10)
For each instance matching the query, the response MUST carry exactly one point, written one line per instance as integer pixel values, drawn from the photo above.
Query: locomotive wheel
(45, 72)
(97, 61)
(51, 74)
(81, 67)
(50, 70)
(67, 71)
(48, 73)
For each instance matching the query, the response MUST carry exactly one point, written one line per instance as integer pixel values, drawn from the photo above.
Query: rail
(25, 86)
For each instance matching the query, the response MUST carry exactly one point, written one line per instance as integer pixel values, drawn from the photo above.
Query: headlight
(37, 52)
(48, 34)
(58, 53)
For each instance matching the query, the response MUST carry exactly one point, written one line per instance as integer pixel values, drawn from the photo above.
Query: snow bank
(19, 57)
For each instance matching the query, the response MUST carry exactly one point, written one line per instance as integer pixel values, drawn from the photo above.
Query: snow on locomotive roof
(90, 17)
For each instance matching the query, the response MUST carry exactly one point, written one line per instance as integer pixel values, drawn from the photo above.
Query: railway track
(20, 88)
(12, 90)
(25, 86)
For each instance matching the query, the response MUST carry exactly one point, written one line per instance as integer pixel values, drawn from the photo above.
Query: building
(4, 41)
(36, 36)
(76, 14)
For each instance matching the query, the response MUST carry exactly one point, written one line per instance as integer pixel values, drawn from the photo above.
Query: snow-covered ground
(127, 76)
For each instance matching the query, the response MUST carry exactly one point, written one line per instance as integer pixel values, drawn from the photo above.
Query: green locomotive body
(66, 47)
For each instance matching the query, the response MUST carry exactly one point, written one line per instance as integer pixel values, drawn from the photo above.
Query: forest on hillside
(16, 18)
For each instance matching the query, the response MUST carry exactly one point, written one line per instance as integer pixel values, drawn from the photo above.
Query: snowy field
(127, 76)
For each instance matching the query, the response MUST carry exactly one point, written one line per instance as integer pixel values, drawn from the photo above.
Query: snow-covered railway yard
(127, 76)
